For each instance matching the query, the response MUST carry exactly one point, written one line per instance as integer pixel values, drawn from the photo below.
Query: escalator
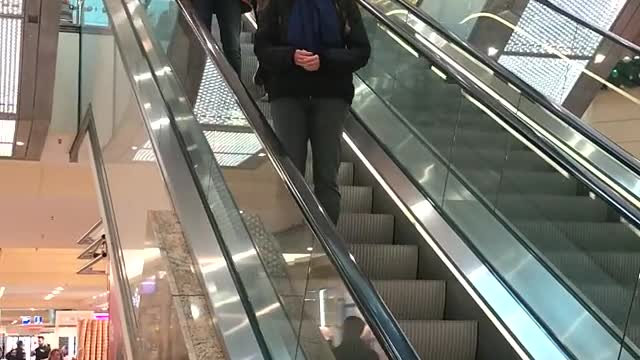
(484, 235)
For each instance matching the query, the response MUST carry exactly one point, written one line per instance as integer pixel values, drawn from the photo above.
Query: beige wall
(618, 118)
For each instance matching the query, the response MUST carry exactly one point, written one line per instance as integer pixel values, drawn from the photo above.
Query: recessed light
(262, 154)
(599, 58)
(492, 51)
(55, 292)
(49, 297)
(19, 143)
(60, 288)
(309, 249)
(14, 322)
(134, 148)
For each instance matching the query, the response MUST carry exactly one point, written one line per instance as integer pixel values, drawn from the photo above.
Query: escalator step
(366, 228)
(345, 173)
(613, 301)
(520, 182)
(442, 339)
(558, 208)
(580, 269)
(622, 266)
(589, 236)
(386, 262)
(496, 160)
(472, 138)
(413, 299)
(356, 199)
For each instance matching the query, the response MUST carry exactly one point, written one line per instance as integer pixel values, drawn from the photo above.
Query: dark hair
(54, 352)
(19, 343)
(40, 337)
(352, 328)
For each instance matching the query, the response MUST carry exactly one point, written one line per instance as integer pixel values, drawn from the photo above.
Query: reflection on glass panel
(551, 76)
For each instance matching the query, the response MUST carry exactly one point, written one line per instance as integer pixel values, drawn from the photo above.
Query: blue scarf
(313, 25)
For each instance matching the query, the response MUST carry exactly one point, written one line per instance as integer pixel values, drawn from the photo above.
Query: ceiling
(29, 275)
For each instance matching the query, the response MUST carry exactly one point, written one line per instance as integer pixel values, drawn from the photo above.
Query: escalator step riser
(413, 299)
(498, 160)
(356, 199)
(589, 237)
(559, 208)
(622, 266)
(519, 182)
(450, 340)
(366, 228)
(386, 262)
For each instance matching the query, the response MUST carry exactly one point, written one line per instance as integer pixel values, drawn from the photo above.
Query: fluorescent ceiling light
(231, 160)
(216, 103)
(60, 288)
(49, 297)
(233, 142)
(6, 149)
(10, 47)
(2, 289)
(7, 131)
(11, 7)
(543, 29)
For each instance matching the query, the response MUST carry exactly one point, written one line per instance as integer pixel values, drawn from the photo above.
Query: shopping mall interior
(488, 182)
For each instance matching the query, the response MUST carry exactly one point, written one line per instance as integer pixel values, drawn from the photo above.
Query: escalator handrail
(600, 140)
(596, 29)
(377, 315)
(612, 198)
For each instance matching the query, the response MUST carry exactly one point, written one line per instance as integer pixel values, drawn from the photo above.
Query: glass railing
(607, 160)
(571, 64)
(508, 190)
(290, 278)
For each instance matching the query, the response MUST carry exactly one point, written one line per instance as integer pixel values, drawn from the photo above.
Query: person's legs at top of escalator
(229, 16)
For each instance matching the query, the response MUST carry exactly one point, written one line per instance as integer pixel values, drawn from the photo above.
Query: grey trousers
(298, 121)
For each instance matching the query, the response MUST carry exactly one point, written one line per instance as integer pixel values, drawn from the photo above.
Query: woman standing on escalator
(310, 50)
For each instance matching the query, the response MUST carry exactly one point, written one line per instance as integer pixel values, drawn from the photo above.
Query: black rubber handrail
(379, 318)
(610, 147)
(611, 36)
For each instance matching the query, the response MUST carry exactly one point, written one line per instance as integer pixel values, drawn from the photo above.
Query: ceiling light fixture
(49, 297)
(55, 292)
(60, 288)
(599, 58)
(2, 289)
(492, 51)
(19, 143)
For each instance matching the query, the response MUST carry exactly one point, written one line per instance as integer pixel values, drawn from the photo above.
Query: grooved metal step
(356, 199)
(366, 228)
(413, 299)
(589, 236)
(436, 339)
(386, 262)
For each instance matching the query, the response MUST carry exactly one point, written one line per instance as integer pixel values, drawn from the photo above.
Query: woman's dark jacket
(334, 79)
